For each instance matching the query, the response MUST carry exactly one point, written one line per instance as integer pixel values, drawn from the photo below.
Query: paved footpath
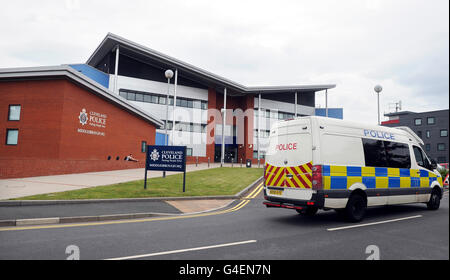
(15, 188)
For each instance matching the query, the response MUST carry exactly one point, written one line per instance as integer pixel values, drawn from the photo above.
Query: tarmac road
(249, 231)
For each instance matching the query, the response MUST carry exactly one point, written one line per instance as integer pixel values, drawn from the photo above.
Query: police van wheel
(309, 211)
(356, 208)
(435, 201)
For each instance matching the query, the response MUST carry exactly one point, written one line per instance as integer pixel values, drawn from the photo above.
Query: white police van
(321, 163)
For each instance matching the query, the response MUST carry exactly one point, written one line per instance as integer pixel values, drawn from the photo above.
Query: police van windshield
(421, 158)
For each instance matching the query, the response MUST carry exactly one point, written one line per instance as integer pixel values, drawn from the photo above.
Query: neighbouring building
(431, 126)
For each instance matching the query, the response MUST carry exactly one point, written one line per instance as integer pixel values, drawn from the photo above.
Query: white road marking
(375, 223)
(182, 250)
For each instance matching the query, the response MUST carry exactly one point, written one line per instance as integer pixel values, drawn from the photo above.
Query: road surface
(247, 231)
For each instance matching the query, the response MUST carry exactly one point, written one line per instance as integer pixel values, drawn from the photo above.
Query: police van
(321, 163)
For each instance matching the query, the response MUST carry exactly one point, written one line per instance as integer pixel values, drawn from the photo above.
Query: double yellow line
(245, 200)
(239, 206)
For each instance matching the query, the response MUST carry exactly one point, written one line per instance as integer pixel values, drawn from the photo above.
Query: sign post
(166, 158)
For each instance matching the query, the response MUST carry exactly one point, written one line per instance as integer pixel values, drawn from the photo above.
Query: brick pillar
(210, 129)
(247, 152)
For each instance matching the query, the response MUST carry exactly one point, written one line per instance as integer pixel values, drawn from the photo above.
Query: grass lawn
(217, 181)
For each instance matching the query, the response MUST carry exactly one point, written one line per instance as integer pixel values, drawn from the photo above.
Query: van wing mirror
(433, 164)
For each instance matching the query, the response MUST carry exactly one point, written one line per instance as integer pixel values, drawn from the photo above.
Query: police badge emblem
(154, 156)
(83, 117)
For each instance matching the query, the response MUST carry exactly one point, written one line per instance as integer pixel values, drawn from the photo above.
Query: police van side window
(380, 153)
(397, 155)
(374, 153)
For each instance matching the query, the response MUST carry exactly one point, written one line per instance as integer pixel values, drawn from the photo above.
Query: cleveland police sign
(166, 158)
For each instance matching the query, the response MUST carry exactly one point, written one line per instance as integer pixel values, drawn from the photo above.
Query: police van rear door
(289, 157)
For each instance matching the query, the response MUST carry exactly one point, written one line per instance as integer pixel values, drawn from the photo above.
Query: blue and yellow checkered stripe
(343, 177)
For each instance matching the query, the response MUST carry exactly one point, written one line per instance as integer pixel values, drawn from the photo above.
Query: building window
(144, 146)
(204, 105)
(162, 100)
(197, 104)
(155, 99)
(431, 120)
(427, 147)
(442, 160)
(428, 134)
(418, 121)
(14, 113)
(444, 133)
(123, 94)
(419, 133)
(12, 136)
(441, 147)
(139, 97)
(189, 152)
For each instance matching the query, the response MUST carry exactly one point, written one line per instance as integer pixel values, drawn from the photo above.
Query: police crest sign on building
(93, 119)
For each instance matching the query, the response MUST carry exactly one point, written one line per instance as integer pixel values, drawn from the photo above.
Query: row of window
(443, 133)
(161, 99)
(265, 113)
(188, 127)
(430, 121)
(262, 155)
(440, 147)
(262, 133)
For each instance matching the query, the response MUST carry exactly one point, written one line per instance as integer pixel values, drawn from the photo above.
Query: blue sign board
(166, 158)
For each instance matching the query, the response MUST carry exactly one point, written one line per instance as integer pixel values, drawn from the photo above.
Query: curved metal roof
(111, 41)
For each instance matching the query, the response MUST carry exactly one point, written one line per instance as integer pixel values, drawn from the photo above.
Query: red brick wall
(215, 101)
(49, 141)
(210, 129)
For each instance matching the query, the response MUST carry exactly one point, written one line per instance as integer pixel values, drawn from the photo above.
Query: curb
(80, 219)
(84, 219)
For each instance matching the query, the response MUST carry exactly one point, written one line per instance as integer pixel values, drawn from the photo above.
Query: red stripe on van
(274, 171)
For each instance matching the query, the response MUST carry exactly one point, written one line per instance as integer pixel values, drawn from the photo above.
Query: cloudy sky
(401, 44)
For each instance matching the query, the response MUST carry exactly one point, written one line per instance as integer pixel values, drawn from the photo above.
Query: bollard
(208, 161)
(196, 162)
(241, 162)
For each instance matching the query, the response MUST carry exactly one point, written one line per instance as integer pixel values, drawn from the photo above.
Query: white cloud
(401, 44)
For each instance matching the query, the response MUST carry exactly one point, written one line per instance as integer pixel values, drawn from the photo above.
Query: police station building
(88, 117)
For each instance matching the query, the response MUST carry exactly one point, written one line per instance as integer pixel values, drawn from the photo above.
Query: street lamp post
(169, 75)
(378, 89)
